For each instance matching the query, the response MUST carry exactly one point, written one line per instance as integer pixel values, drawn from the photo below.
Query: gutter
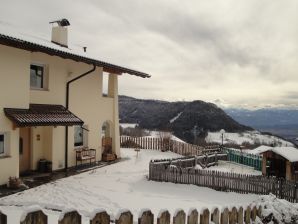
(67, 107)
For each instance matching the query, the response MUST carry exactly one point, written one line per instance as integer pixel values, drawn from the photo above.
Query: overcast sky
(232, 52)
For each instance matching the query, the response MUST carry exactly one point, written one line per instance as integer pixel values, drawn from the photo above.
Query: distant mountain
(283, 122)
(187, 120)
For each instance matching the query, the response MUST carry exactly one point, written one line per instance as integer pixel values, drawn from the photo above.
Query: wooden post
(204, 216)
(289, 175)
(247, 215)
(71, 218)
(240, 215)
(224, 216)
(100, 217)
(35, 217)
(215, 216)
(179, 218)
(193, 216)
(253, 213)
(125, 218)
(146, 218)
(164, 217)
(259, 212)
(233, 216)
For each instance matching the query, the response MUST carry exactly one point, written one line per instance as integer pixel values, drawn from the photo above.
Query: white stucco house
(52, 101)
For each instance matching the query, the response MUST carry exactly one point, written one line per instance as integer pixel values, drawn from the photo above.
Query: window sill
(105, 96)
(39, 89)
(4, 156)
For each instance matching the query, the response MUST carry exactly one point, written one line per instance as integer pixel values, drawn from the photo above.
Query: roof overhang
(34, 47)
(289, 153)
(42, 115)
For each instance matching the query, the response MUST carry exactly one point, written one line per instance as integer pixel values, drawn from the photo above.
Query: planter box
(107, 157)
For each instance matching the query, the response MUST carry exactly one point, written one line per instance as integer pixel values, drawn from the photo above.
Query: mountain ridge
(187, 119)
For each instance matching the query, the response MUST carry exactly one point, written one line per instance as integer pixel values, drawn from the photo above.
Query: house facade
(52, 103)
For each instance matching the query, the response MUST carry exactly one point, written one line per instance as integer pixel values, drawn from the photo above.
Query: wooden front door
(24, 149)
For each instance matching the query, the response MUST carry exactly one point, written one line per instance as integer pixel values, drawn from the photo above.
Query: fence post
(280, 188)
(125, 217)
(259, 211)
(224, 216)
(215, 216)
(72, 217)
(35, 217)
(164, 217)
(204, 216)
(253, 213)
(233, 216)
(240, 215)
(179, 217)
(3, 218)
(100, 217)
(146, 218)
(192, 217)
(247, 215)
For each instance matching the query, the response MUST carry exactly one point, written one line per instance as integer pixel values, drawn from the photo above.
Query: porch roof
(42, 115)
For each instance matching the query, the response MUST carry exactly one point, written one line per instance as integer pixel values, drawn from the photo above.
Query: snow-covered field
(249, 136)
(118, 186)
(226, 166)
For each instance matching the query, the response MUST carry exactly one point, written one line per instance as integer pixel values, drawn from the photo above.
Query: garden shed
(281, 162)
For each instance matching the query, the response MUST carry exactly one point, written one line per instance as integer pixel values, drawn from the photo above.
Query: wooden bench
(85, 154)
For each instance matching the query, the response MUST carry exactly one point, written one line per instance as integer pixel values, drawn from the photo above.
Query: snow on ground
(128, 125)
(118, 186)
(226, 166)
(249, 136)
(162, 134)
(282, 210)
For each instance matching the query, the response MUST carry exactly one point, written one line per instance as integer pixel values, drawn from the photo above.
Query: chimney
(59, 32)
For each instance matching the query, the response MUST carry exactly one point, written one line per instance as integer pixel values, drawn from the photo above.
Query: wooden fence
(164, 144)
(191, 161)
(241, 183)
(225, 215)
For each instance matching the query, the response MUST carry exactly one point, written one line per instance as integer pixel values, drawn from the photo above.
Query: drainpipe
(67, 107)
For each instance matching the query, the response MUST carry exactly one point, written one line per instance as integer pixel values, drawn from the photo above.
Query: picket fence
(164, 144)
(166, 171)
(225, 215)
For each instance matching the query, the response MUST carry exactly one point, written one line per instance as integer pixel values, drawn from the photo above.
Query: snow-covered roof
(13, 37)
(289, 153)
(259, 150)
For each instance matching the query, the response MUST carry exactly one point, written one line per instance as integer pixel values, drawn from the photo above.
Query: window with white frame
(38, 76)
(80, 136)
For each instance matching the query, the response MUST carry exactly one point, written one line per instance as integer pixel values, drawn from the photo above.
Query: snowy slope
(249, 136)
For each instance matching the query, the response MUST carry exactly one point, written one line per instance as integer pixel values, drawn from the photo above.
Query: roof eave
(33, 47)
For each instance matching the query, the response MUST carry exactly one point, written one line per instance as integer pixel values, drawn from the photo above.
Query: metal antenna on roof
(61, 22)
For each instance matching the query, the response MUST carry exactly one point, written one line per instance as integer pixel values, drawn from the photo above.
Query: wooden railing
(242, 214)
(163, 144)
(164, 171)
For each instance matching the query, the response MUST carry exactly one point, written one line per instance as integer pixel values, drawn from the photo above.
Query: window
(4, 144)
(105, 84)
(2, 149)
(78, 136)
(37, 76)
